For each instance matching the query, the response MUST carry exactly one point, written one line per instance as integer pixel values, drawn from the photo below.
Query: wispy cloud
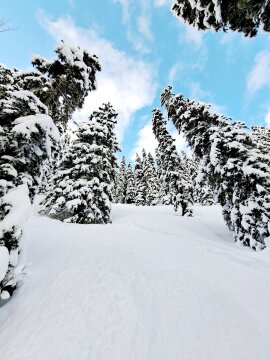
(129, 84)
(259, 75)
(175, 72)
(137, 17)
(162, 2)
(144, 27)
(205, 96)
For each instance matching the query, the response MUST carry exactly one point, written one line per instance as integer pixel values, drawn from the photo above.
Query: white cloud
(127, 83)
(162, 2)
(146, 140)
(267, 119)
(259, 75)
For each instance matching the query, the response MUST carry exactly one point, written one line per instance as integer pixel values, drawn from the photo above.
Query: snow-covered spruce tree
(245, 16)
(139, 179)
(150, 176)
(261, 136)
(203, 194)
(178, 187)
(162, 189)
(121, 183)
(144, 158)
(234, 165)
(130, 190)
(70, 77)
(26, 137)
(81, 190)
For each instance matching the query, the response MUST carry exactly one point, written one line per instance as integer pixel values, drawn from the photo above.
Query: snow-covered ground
(151, 286)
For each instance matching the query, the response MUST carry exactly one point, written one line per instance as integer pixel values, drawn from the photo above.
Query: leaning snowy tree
(233, 164)
(81, 190)
(245, 16)
(71, 77)
(30, 105)
(177, 186)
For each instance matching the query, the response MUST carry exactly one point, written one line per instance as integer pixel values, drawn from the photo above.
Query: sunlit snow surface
(151, 286)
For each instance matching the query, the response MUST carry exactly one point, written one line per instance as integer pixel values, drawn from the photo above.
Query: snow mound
(150, 286)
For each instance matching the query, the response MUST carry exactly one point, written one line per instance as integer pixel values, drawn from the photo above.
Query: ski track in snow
(150, 286)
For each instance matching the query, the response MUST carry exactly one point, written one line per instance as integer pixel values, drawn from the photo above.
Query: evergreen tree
(30, 103)
(67, 81)
(121, 183)
(26, 137)
(233, 164)
(203, 194)
(162, 189)
(130, 190)
(261, 137)
(139, 182)
(245, 16)
(175, 183)
(150, 176)
(144, 158)
(81, 190)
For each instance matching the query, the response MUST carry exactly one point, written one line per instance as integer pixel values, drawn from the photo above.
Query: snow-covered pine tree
(81, 190)
(70, 78)
(140, 185)
(162, 190)
(233, 164)
(202, 192)
(26, 137)
(144, 158)
(175, 183)
(121, 183)
(30, 102)
(108, 116)
(130, 190)
(261, 136)
(150, 176)
(245, 16)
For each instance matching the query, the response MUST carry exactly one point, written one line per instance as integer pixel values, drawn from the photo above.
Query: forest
(115, 231)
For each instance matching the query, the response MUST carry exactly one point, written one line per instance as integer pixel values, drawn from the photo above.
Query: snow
(26, 125)
(18, 199)
(150, 286)
(4, 258)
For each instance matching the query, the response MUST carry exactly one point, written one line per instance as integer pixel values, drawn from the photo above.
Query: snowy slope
(151, 286)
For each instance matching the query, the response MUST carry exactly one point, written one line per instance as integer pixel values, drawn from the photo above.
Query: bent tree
(232, 163)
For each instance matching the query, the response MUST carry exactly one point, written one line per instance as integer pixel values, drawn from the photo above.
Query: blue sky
(142, 48)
